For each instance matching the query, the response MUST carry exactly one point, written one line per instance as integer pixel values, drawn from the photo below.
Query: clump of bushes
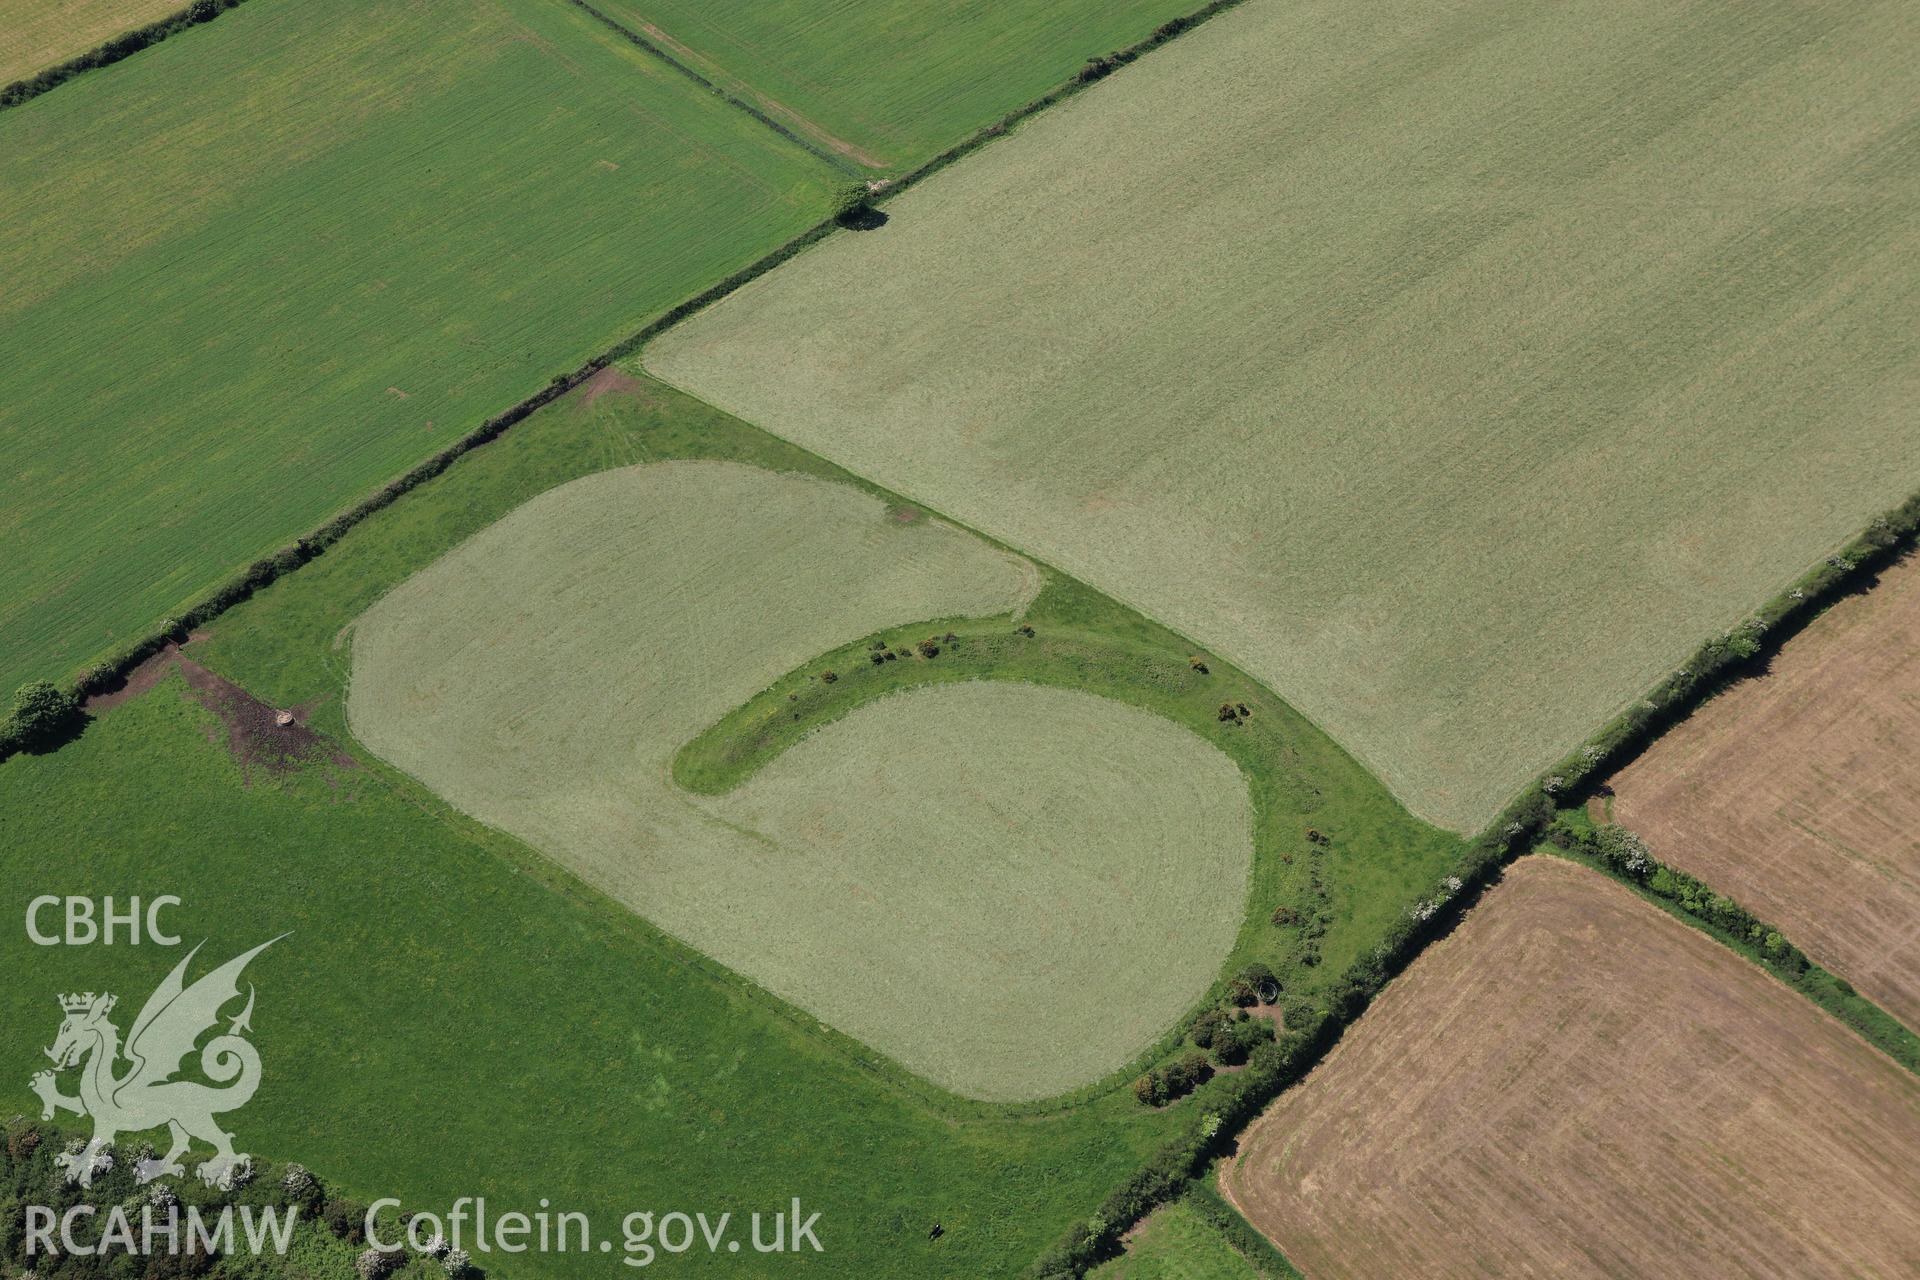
(346, 1219)
(1625, 854)
(1207, 1024)
(1098, 67)
(1174, 1081)
(850, 201)
(930, 647)
(1236, 1039)
(41, 714)
(377, 1264)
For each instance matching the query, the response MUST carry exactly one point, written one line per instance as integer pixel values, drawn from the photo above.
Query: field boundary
(731, 99)
(1740, 651)
(108, 52)
(104, 674)
(1097, 68)
(1219, 1213)
(1792, 967)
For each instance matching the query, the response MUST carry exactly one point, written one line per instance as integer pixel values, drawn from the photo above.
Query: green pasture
(461, 1016)
(1453, 369)
(293, 645)
(1175, 1243)
(257, 270)
(889, 84)
(1011, 891)
(449, 1017)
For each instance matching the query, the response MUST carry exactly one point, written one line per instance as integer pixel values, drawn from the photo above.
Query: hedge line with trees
(112, 51)
(30, 1176)
(1274, 1067)
(261, 573)
(1620, 853)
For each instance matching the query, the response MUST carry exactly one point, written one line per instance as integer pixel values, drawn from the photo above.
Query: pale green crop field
(39, 33)
(968, 878)
(1454, 368)
(257, 270)
(890, 83)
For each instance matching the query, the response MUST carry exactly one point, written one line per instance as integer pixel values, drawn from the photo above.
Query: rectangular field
(1576, 1084)
(1454, 368)
(278, 259)
(36, 34)
(890, 83)
(1798, 793)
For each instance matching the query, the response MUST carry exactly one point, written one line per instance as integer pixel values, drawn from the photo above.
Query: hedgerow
(1527, 818)
(112, 51)
(1619, 853)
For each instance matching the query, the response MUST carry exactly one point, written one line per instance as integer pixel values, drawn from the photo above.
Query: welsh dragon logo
(145, 1094)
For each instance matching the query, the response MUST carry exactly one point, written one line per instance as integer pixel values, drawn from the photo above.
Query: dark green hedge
(1518, 828)
(121, 46)
(1617, 853)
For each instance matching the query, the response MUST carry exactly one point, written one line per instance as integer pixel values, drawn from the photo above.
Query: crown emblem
(81, 1002)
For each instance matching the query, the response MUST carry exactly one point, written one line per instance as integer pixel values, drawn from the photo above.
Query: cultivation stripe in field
(258, 293)
(1011, 890)
(1455, 369)
(1795, 792)
(1575, 1083)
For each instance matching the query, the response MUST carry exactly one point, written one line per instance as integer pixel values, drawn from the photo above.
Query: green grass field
(40, 33)
(1454, 369)
(449, 1018)
(292, 645)
(1175, 1243)
(261, 268)
(890, 83)
(963, 878)
(442, 962)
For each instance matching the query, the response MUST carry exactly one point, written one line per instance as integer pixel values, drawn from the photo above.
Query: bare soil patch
(137, 681)
(1574, 1083)
(609, 381)
(274, 739)
(255, 735)
(1798, 793)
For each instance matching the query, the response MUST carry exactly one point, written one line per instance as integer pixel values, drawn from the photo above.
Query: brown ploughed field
(1574, 1083)
(1798, 793)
